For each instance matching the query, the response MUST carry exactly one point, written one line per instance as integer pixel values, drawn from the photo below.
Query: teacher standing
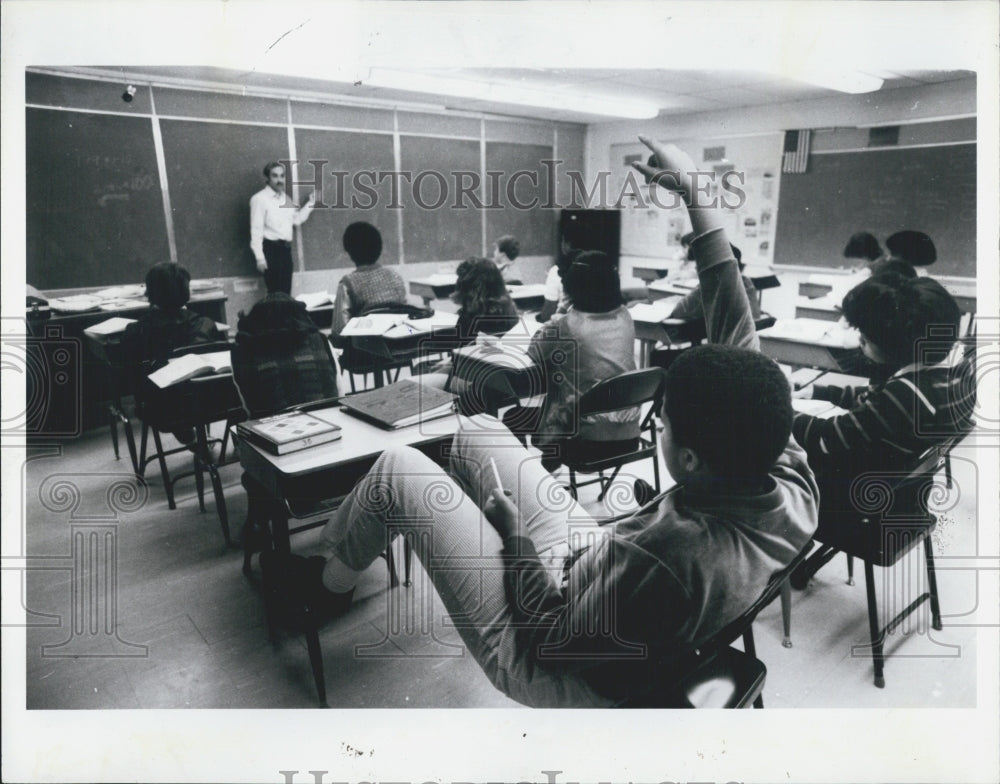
(273, 218)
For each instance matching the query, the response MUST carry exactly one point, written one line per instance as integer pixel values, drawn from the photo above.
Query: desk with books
(83, 406)
(300, 481)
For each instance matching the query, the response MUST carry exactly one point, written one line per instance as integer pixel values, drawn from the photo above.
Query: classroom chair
(629, 390)
(375, 355)
(193, 405)
(714, 674)
(890, 518)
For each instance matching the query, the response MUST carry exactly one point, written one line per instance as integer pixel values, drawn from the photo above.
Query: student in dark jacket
(168, 324)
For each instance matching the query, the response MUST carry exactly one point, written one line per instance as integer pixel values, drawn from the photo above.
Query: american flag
(796, 154)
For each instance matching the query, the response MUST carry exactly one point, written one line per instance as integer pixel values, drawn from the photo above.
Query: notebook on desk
(399, 405)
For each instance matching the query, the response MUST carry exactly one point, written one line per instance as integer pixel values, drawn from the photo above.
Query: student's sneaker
(318, 597)
(644, 492)
(295, 584)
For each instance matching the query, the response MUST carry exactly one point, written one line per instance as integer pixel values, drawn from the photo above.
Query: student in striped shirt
(910, 327)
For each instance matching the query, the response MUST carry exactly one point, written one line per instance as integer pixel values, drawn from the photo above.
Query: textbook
(111, 326)
(400, 405)
(189, 366)
(284, 433)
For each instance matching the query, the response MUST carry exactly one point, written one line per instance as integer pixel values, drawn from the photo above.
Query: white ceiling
(675, 92)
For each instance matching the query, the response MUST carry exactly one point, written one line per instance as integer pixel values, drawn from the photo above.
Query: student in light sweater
(558, 611)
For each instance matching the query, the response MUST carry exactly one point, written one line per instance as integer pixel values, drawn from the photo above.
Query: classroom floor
(186, 628)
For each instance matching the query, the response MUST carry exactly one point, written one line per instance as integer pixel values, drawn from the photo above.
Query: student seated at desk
(909, 327)
(913, 247)
(594, 341)
(862, 249)
(505, 253)
(167, 325)
(556, 301)
(369, 285)
(690, 307)
(531, 592)
(484, 306)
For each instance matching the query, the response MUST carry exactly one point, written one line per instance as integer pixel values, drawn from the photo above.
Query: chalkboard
(213, 169)
(533, 226)
(433, 228)
(341, 202)
(930, 189)
(94, 205)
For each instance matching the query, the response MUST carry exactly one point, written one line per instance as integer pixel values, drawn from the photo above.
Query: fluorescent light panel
(853, 82)
(500, 92)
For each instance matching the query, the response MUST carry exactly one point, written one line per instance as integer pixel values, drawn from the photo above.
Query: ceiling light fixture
(501, 92)
(853, 82)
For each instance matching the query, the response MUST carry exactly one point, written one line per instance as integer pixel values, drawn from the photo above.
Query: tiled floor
(187, 628)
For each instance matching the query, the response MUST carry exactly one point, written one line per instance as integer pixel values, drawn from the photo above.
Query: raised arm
(728, 317)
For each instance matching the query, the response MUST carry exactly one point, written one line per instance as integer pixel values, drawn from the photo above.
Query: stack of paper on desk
(111, 326)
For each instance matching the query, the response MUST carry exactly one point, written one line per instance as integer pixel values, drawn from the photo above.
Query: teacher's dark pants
(278, 275)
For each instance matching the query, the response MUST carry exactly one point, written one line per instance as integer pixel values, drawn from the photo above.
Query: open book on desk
(180, 369)
(400, 405)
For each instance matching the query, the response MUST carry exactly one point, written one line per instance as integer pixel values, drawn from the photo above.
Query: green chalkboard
(213, 169)
(438, 224)
(930, 189)
(525, 189)
(343, 168)
(94, 205)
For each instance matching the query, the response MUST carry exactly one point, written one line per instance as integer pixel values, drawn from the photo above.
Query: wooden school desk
(84, 406)
(299, 481)
(809, 343)
(817, 309)
(440, 285)
(649, 270)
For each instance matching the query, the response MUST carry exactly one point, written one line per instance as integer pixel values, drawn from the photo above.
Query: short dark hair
(894, 313)
(509, 247)
(912, 246)
(731, 406)
(271, 165)
(480, 288)
(862, 245)
(168, 286)
(363, 243)
(592, 284)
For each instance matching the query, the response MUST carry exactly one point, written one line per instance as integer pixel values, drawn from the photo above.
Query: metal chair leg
(932, 585)
(167, 484)
(878, 658)
(316, 662)
(786, 612)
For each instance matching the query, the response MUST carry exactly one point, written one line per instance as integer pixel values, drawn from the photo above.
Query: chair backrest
(625, 391)
(675, 670)
(410, 311)
(280, 359)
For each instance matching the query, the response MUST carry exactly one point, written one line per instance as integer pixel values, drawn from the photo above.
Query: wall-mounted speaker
(591, 230)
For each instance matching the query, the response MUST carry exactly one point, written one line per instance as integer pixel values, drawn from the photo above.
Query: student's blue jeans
(407, 492)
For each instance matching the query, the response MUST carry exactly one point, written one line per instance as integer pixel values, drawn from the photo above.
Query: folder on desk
(400, 405)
